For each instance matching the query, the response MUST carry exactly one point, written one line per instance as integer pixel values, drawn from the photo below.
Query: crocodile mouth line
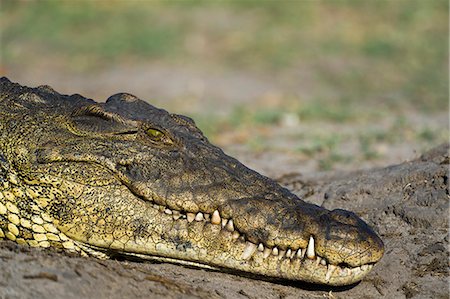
(304, 255)
(307, 257)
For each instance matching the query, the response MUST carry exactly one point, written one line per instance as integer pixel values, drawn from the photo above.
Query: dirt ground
(406, 203)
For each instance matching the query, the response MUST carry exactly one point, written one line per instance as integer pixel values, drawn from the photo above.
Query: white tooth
(215, 217)
(364, 267)
(235, 235)
(289, 253)
(330, 270)
(281, 254)
(266, 252)
(176, 214)
(275, 251)
(370, 266)
(261, 247)
(190, 217)
(250, 248)
(168, 211)
(156, 206)
(224, 222)
(323, 262)
(299, 253)
(318, 259)
(230, 225)
(199, 216)
(310, 250)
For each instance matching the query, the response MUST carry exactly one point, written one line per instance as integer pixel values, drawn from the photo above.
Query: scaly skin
(125, 178)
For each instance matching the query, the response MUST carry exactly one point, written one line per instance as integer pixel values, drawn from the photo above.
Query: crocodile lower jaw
(301, 257)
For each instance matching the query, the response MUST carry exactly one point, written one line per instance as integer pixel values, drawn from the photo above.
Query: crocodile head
(124, 177)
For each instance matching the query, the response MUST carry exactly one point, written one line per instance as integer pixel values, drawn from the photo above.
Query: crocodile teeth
(249, 250)
(250, 247)
(176, 215)
(330, 271)
(310, 250)
(275, 251)
(215, 219)
(318, 260)
(230, 226)
(199, 216)
(303, 253)
(190, 217)
(224, 222)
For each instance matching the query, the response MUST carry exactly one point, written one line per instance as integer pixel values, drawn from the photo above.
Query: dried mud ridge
(407, 204)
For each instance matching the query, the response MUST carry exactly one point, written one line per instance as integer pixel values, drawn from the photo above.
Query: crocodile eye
(155, 134)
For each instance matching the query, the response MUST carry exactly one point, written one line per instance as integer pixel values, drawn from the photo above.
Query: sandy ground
(406, 203)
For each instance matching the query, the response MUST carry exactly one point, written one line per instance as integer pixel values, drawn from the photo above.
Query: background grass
(360, 61)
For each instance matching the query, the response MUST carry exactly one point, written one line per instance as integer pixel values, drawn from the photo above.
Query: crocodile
(125, 179)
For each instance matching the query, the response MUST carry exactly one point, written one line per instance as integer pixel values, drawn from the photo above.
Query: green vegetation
(376, 50)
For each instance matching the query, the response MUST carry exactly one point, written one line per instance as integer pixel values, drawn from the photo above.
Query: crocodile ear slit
(94, 119)
(97, 110)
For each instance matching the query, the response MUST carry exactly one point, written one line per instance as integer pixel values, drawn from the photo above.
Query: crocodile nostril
(344, 216)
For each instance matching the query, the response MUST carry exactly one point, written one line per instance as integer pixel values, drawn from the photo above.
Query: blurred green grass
(375, 59)
(366, 49)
